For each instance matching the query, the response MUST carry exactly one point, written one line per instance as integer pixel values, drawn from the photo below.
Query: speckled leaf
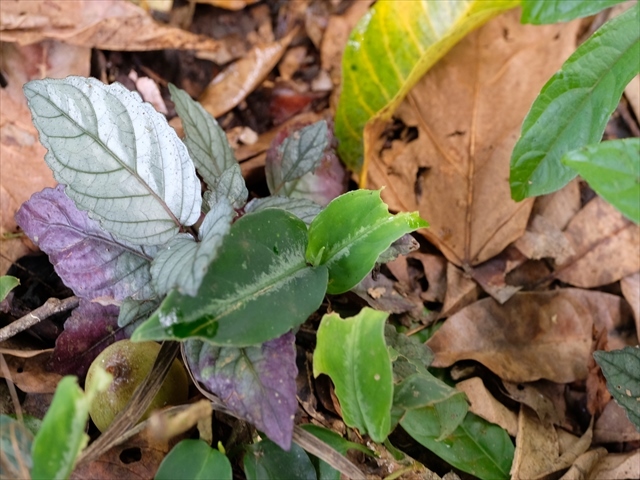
(89, 330)
(365, 389)
(90, 261)
(134, 311)
(183, 262)
(258, 383)
(388, 52)
(304, 209)
(621, 368)
(258, 288)
(539, 12)
(120, 159)
(349, 235)
(209, 148)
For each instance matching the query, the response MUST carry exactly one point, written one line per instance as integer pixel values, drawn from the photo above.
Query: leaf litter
(501, 275)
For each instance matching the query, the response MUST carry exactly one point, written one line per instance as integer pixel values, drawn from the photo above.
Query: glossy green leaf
(423, 390)
(540, 12)
(194, 460)
(476, 446)
(15, 445)
(183, 262)
(340, 444)
(267, 461)
(621, 368)
(389, 50)
(349, 235)
(352, 352)
(62, 435)
(210, 149)
(258, 288)
(120, 159)
(613, 170)
(304, 209)
(7, 283)
(574, 106)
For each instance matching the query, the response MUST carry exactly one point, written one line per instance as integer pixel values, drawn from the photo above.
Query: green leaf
(389, 50)
(621, 368)
(613, 171)
(299, 154)
(476, 446)
(304, 209)
(194, 460)
(62, 435)
(349, 235)
(574, 106)
(7, 283)
(119, 158)
(267, 461)
(15, 445)
(210, 149)
(352, 352)
(423, 390)
(184, 262)
(340, 444)
(410, 355)
(258, 287)
(540, 12)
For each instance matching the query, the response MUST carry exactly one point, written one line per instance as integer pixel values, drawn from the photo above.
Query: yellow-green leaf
(392, 46)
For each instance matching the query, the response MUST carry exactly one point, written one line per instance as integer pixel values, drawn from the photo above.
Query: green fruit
(129, 363)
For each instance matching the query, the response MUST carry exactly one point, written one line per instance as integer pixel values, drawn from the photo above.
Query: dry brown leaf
(107, 24)
(544, 398)
(229, 4)
(461, 291)
(617, 466)
(491, 275)
(543, 239)
(632, 92)
(606, 247)
(31, 375)
(614, 426)
(239, 79)
(630, 286)
(468, 110)
(584, 464)
(536, 446)
(559, 207)
(486, 406)
(598, 395)
(534, 335)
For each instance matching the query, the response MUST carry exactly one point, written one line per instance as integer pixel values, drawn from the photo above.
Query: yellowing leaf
(389, 51)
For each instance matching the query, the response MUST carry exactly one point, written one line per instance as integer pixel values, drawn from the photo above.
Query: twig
(50, 307)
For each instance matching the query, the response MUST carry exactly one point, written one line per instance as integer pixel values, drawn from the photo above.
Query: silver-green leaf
(304, 209)
(119, 158)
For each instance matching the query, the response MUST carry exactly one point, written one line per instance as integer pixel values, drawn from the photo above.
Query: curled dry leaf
(617, 466)
(536, 446)
(31, 375)
(459, 163)
(630, 286)
(108, 25)
(534, 335)
(239, 79)
(492, 274)
(606, 247)
(461, 291)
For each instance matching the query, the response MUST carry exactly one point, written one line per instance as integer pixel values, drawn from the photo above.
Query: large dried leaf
(119, 158)
(107, 24)
(606, 247)
(534, 335)
(258, 383)
(90, 261)
(468, 110)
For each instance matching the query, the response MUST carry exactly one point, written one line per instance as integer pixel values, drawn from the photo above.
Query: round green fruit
(129, 363)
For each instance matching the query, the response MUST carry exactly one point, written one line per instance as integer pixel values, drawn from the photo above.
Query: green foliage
(574, 106)
(613, 170)
(352, 352)
(475, 446)
(15, 445)
(267, 461)
(62, 435)
(7, 283)
(621, 368)
(539, 12)
(349, 235)
(389, 50)
(194, 460)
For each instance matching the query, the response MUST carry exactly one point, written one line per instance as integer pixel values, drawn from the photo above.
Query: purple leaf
(89, 260)
(258, 383)
(89, 330)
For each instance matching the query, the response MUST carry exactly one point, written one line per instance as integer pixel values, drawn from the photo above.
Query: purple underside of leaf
(258, 383)
(89, 260)
(89, 330)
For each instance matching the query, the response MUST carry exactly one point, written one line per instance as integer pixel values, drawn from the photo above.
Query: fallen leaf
(534, 335)
(31, 375)
(543, 397)
(606, 247)
(543, 239)
(108, 25)
(597, 394)
(614, 426)
(240, 78)
(584, 464)
(461, 291)
(492, 274)
(630, 286)
(459, 163)
(536, 446)
(486, 406)
(632, 92)
(559, 207)
(229, 4)
(617, 466)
